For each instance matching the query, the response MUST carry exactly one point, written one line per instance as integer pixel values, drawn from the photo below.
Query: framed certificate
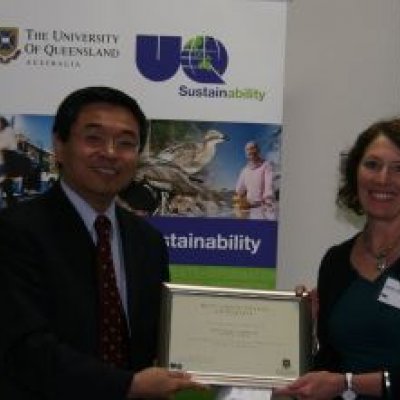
(235, 337)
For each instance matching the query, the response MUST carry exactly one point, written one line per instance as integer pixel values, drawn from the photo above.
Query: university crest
(8, 45)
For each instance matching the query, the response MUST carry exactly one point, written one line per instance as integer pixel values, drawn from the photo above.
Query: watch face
(348, 395)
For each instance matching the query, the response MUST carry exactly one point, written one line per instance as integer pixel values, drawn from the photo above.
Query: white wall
(342, 73)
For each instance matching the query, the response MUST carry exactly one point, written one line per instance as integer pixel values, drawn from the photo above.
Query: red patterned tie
(114, 336)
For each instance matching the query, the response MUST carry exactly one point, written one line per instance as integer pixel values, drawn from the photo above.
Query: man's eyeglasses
(124, 142)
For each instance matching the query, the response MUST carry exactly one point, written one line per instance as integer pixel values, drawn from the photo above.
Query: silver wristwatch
(348, 393)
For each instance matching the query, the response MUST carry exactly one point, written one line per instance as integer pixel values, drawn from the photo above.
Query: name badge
(390, 293)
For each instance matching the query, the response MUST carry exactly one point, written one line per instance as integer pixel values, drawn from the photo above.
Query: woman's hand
(312, 294)
(321, 385)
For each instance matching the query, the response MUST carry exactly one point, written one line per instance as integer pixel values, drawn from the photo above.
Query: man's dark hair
(72, 105)
(3, 123)
(347, 195)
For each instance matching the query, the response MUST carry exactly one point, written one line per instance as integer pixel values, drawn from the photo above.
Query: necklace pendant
(381, 264)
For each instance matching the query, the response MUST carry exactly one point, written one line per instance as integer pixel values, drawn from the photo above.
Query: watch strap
(348, 393)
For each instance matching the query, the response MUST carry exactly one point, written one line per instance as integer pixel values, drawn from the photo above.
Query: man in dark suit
(50, 306)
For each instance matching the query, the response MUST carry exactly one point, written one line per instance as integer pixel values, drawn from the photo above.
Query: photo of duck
(194, 156)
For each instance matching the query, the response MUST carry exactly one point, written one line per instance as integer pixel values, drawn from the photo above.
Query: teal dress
(371, 338)
(356, 332)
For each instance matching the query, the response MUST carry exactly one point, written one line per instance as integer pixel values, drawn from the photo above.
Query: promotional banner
(209, 76)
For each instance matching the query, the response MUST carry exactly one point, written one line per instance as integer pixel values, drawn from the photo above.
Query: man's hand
(157, 382)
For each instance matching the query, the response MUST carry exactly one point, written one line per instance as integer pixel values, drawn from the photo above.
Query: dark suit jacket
(48, 302)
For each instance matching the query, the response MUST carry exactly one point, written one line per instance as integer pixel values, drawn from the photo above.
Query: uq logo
(203, 58)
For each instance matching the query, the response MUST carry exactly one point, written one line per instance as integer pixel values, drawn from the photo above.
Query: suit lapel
(76, 246)
(133, 256)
